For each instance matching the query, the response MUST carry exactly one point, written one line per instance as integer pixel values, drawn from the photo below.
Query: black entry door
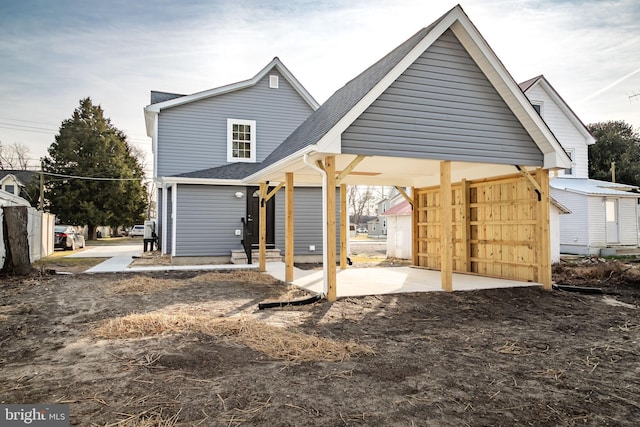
(253, 218)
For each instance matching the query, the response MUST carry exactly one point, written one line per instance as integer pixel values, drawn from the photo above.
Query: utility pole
(613, 171)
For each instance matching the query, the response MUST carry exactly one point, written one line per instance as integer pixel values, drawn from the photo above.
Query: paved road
(368, 247)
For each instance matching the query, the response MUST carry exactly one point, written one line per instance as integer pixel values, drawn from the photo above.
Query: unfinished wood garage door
(497, 227)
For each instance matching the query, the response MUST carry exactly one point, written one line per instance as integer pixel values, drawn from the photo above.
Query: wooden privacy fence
(499, 227)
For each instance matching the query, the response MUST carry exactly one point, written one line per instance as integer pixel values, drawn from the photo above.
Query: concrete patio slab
(350, 282)
(389, 280)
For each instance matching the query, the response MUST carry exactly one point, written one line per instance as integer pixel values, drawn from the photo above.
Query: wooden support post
(543, 233)
(274, 191)
(446, 227)
(344, 226)
(263, 226)
(288, 228)
(415, 247)
(349, 168)
(330, 205)
(405, 195)
(466, 226)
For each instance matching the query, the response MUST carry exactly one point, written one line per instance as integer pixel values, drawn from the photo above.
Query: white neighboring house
(399, 230)
(604, 215)
(39, 228)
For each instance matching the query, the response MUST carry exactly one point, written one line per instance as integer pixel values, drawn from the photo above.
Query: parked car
(362, 230)
(66, 237)
(137, 230)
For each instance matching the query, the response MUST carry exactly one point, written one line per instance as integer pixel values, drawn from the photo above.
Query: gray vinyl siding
(442, 107)
(193, 136)
(207, 217)
(307, 225)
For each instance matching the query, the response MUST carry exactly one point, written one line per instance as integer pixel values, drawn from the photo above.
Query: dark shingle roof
(524, 86)
(341, 102)
(23, 176)
(157, 96)
(230, 171)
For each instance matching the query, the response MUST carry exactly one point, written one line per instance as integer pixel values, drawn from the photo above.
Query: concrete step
(240, 257)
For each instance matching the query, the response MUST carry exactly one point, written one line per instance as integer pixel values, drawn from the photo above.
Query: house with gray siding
(205, 143)
(438, 109)
(603, 216)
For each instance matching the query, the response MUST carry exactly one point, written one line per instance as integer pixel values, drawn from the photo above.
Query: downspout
(325, 284)
(165, 217)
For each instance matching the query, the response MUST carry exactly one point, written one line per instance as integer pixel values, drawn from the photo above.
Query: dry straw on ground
(275, 342)
(244, 276)
(143, 285)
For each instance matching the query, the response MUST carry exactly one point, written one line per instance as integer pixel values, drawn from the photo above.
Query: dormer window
(537, 106)
(241, 140)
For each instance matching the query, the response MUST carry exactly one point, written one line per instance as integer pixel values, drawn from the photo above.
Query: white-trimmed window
(537, 105)
(572, 154)
(241, 140)
(273, 81)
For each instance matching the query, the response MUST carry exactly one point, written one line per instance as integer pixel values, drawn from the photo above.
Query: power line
(90, 178)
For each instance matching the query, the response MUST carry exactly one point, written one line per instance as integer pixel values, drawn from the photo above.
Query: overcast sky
(53, 53)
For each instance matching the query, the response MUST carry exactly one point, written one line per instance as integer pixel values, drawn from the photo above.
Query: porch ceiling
(378, 170)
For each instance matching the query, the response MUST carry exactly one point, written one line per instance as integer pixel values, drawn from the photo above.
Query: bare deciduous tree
(361, 201)
(15, 156)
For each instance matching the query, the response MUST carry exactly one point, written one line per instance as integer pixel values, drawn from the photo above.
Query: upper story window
(273, 81)
(537, 105)
(241, 140)
(572, 155)
(10, 188)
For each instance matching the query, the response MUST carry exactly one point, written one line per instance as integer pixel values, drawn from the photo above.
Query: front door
(611, 218)
(253, 218)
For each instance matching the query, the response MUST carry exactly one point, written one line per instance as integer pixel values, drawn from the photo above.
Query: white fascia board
(150, 117)
(568, 112)
(494, 70)
(260, 175)
(7, 177)
(237, 86)
(331, 141)
(170, 180)
(156, 108)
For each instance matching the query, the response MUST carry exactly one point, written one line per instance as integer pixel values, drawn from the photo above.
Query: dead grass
(275, 342)
(144, 285)
(148, 418)
(245, 276)
(58, 261)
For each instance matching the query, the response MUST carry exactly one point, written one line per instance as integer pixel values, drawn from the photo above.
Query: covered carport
(440, 115)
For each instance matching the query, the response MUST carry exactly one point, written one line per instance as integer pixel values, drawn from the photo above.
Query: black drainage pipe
(305, 301)
(581, 289)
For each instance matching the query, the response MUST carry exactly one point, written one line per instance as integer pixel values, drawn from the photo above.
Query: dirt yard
(192, 348)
